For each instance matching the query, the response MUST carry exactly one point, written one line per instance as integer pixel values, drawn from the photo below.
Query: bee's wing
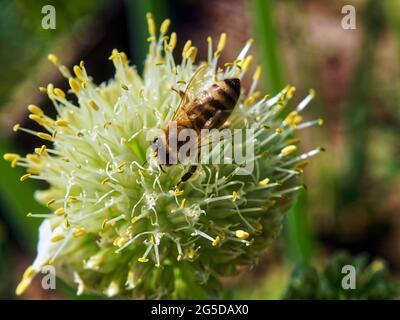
(185, 95)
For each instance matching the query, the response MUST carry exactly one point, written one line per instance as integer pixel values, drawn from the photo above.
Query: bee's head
(234, 84)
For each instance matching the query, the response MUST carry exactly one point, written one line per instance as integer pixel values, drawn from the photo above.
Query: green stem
(137, 26)
(356, 117)
(266, 35)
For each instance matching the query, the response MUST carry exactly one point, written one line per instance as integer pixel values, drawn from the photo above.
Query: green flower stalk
(123, 226)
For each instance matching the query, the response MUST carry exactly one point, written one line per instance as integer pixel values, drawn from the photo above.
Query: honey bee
(208, 110)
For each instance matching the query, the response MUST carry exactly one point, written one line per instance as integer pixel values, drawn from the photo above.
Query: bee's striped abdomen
(221, 98)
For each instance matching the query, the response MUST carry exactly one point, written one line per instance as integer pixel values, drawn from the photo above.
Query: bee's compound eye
(234, 83)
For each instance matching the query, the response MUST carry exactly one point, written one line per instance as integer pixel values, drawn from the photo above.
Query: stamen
(243, 235)
(164, 26)
(53, 59)
(288, 150)
(151, 25)
(221, 44)
(35, 110)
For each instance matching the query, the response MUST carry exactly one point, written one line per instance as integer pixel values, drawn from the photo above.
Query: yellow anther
(143, 260)
(191, 54)
(114, 54)
(104, 223)
(243, 235)
(29, 272)
(320, 122)
(186, 47)
(50, 88)
(151, 24)
(257, 73)
(16, 127)
(33, 170)
(79, 233)
(49, 203)
(172, 41)
(279, 130)
(22, 286)
(42, 89)
(13, 158)
(53, 59)
(44, 136)
(59, 93)
(182, 205)
(245, 65)
(179, 257)
(165, 25)
(221, 44)
(290, 92)
(25, 177)
(264, 182)
(42, 151)
(121, 165)
(134, 220)
(209, 40)
(178, 192)
(74, 84)
(235, 196)
(59, 212)
(105, 180)
(288, 150)
(33, 158)
(67, 224)
(293, 141)
(157, 265)
(58, 237)
(312, 93)
(93, 105)
(293, 119)
(35, 110)
(251, 99)
(62, 123)
(125, 87)
(36, 118)
(120, 241)
(216, 241)
(29, 214)
(78, 72)
(301, 164)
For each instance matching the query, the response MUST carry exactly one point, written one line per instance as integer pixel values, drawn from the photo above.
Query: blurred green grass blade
(299, 234)
(137, 25)
(357, 120)
(265, 32)
(17, 200)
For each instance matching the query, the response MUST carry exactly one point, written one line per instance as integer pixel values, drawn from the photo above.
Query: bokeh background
(350, 212)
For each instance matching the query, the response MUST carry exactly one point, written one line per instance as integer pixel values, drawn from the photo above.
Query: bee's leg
(188, 174)
(179, 92)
